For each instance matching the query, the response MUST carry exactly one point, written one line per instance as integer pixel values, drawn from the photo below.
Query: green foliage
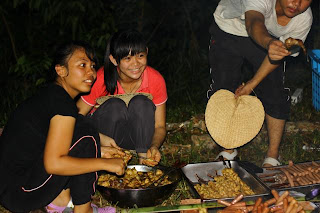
(173, 29)
(30, 33)
(176, 31)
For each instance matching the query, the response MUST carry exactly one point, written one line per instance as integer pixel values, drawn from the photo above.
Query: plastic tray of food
(204, 172)
(303, 177)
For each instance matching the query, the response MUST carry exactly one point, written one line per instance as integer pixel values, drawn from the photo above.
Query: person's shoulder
(55, 89)
(46, 92)
(304, 18)
(154, 76)
(156, 80)
(308, 13)
(153, 72)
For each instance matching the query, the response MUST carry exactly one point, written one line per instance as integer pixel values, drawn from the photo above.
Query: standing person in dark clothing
(255, 30)
(48, 152)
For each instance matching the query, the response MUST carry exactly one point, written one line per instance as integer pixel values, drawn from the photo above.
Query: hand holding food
(116, 165)
(111, 152)
(153, 156)
(277, 50)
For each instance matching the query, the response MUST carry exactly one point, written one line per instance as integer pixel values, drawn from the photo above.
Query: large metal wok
(142, 197)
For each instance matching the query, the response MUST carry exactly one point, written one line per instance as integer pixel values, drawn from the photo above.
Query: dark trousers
(131, 127)
(41, 188)
(227, 54)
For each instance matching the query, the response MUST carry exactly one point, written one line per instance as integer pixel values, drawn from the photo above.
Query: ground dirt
(189, 142)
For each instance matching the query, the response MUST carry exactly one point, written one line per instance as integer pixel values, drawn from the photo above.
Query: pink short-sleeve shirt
(152, 82)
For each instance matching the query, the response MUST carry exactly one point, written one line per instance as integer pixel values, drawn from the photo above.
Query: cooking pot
(142, 197)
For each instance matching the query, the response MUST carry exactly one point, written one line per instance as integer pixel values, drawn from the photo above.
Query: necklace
(133, 89)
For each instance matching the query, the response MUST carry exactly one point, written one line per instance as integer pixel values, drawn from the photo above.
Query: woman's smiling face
(131, 67)
(81, 73)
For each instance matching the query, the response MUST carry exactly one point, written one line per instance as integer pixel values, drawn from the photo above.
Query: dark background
(176, 31)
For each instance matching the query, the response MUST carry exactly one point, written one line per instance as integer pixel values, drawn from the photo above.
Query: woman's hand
(153, 156)
(107, 141)
(116, 165)
(109, 152)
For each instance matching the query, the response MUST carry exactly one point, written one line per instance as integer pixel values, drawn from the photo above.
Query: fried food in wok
(133, 179)
(228, 184)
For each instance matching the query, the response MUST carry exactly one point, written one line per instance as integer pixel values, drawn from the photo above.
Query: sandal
(271, 161)
(55, 209)
(227, 155)
(107, 209)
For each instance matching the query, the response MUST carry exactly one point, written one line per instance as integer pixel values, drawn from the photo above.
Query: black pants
(226, 56)
(41, 188)
(131, 127)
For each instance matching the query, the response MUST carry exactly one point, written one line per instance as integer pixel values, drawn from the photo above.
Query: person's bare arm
(56, 158)
(160, 126)
(265, 68)
(276, 51)
(159, 135)
(258, 32)
(83, 107)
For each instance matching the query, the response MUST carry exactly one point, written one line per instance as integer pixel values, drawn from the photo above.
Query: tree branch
(10, 36)
(156, 28)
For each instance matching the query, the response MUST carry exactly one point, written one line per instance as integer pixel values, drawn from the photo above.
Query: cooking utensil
(221, 158)
(201, 181)
(151, 196)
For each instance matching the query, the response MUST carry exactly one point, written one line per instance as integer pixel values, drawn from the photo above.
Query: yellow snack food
(228, 184)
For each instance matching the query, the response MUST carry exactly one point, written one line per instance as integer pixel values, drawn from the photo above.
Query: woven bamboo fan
(233, 122)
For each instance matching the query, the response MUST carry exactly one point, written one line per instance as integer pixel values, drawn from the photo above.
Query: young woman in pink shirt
(140, 125)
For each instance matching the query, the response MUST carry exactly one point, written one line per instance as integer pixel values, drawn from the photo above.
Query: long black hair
(64, 52)
(120, 45)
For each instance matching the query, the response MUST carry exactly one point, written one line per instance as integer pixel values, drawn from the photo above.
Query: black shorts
(227, 55)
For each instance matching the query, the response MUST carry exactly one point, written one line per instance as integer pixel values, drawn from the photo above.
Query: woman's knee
(112, 105)
(141, 104)
(113, 109)
(82, 187)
